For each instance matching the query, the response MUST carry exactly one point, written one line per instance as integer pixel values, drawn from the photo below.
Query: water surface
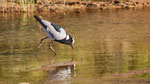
(106, 43)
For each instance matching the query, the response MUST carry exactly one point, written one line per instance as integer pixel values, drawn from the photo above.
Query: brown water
(106, 43)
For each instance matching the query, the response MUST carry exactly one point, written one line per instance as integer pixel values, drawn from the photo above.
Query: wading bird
(55, 33)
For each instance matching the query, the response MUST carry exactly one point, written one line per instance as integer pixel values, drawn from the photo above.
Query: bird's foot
(55, 54)
(72, 59)
(37, 58)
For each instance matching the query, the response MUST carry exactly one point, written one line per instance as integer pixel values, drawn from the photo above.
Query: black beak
(71, 46)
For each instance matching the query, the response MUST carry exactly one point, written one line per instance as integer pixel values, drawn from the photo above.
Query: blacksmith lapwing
(55, 33)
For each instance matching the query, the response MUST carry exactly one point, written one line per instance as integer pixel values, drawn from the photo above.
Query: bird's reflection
(63, 73)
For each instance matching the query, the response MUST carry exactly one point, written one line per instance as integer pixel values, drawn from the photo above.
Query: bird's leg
(52, 48)
(39, 47)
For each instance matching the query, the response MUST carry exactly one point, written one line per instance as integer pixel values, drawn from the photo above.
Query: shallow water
(106, 43)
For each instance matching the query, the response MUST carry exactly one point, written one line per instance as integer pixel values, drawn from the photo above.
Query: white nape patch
(72, 41)
(67, 37)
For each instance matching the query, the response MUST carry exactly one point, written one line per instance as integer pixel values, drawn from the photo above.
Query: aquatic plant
(4, 2)
(23, 4)
(27, 5)
(12, 3)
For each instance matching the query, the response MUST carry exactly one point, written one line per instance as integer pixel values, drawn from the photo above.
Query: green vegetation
(25, 5)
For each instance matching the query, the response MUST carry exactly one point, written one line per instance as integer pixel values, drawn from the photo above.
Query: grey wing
(56, 27)
(60, 35)
(54, 30)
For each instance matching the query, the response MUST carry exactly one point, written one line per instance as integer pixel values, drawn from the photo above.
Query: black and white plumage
(55, 33)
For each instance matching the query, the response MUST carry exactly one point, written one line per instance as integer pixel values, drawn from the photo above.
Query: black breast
(64, 41)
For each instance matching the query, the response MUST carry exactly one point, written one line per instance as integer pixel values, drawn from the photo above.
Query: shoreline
(76, 6)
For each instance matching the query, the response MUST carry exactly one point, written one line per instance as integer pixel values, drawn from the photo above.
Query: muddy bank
(70, 5)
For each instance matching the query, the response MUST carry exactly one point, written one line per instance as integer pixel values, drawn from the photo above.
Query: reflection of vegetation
(140, 58)
(99, 49)
(16, 69)
(116, 61)
(13, 49)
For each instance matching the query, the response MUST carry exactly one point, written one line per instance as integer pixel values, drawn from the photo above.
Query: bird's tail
(37, 18)
(40, 21)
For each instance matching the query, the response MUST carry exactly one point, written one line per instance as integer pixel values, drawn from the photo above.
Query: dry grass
(64, 5)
